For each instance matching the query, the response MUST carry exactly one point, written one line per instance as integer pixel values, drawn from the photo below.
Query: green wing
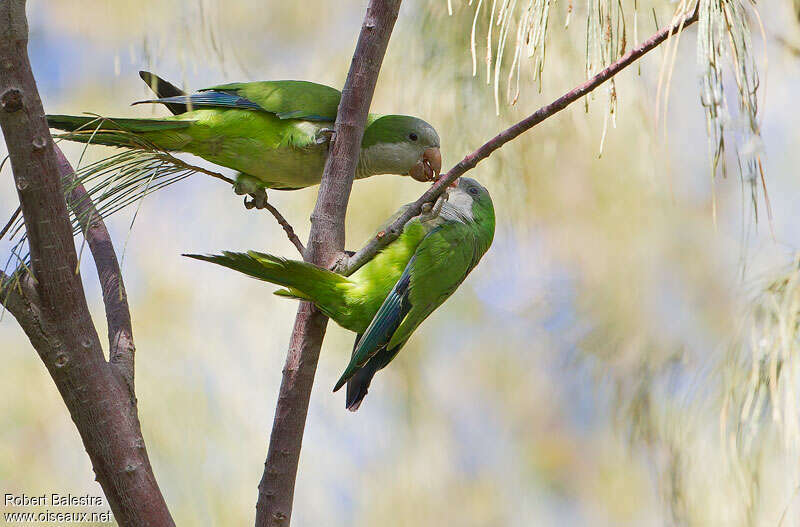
(380, 330)
(441, 262)
(303, 100)
(288, 99)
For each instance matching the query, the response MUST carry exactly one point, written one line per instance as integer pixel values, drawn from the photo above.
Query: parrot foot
(324, 135)
(247, 185)
(432, 210)
(258, 201)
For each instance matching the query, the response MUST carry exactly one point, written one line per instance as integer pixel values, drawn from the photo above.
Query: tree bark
(325, 245)
(51, 305)
(115, 299)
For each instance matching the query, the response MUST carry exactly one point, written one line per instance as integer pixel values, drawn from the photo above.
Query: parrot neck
(363, 167)
(386, 158)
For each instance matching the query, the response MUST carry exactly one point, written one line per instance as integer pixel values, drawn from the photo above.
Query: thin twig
(177, 162)
(349, 265)
(286, 227)
(167, 157)
(10, 222)
(115, 300)
(9, 293)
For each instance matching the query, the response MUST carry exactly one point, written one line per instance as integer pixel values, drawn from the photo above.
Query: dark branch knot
(339, 263)
(61, 360)
(11, 100)
(39, 143)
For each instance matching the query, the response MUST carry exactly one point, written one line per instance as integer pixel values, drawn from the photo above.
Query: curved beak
(429, 166)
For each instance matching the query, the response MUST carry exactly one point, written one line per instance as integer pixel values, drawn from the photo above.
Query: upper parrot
(275, 133)
(386, 299)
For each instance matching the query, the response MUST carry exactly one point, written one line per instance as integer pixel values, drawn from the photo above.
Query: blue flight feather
(208, 98)
(385, 322)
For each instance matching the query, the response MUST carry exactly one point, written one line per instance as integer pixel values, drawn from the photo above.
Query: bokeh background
(625, 354)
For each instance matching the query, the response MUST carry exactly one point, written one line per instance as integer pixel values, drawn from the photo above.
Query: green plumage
(388, 298)
(289, 99)
(274, 132)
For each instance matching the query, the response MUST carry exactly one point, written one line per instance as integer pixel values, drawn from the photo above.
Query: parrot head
(401, 144)
(469, 202)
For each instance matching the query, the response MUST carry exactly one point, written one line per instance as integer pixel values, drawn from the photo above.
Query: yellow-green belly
(280, 153)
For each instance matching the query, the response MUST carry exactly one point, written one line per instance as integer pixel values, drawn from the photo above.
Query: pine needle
(116, 182)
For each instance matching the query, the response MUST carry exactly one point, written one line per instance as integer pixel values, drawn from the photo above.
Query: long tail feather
(358, 384)
(303, 280)
(111, 132)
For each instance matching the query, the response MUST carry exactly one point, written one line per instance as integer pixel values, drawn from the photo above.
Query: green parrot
(385, 300)
(274, 133)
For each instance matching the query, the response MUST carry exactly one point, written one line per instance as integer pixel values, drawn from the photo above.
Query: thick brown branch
(115, 300)
(365, 254)
(326, 241)
(61, 329)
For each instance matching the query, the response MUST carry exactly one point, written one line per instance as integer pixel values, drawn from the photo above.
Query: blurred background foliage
(622, 356)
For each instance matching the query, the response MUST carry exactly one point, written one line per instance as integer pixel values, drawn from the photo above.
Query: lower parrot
(274, 133)
(386, 299)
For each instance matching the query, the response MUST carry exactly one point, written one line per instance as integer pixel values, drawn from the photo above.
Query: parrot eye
(412, 136)
(474, 191)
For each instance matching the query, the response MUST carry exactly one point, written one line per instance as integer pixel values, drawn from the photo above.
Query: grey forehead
(469, 182)
(428, 132)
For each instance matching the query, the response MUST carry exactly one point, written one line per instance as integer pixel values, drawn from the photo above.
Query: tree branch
(349, 265)
(22, 306)
(325, 243)
(120, 331)
(11, 221)
(286, 227)
(60, 327)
